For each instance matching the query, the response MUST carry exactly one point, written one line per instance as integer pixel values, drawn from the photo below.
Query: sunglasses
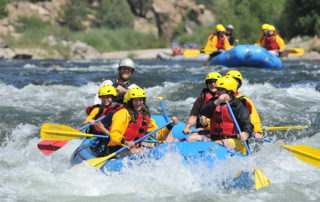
(211, 81)
(220, 89)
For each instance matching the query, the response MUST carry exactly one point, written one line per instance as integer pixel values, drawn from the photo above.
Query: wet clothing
(97, 111)
(274, 42)
(230, 38)
(224, 128)
(254, 116)
(120, 123)
(202, 99)
(216, 42)
(119, 98)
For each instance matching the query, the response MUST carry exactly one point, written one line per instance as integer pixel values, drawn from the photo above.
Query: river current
(34, 92)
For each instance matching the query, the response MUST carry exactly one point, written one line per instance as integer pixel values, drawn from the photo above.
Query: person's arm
(120, 121)
(254, 117)
(227, 45)
(164, 132)
(242, 115)
(90, 118)
(280, 42)
(194, 113)
(208, 108)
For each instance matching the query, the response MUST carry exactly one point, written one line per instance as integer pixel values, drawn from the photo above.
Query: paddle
(49, 146)
(98, 162)
(284, 127)
(191, 53)
(260, 179)
(295, 51)
(163, 108)
(305, 153)
(51, 131)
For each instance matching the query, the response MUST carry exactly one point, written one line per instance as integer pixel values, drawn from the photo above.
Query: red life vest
(206, 95)
(270, 43)
(212, 35)
(137, 128)
(222, 124)
(220, 42)
(107, 111)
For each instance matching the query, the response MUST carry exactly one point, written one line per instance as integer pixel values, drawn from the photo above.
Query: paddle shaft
(238, 128)
(163, 109)
(142, 138)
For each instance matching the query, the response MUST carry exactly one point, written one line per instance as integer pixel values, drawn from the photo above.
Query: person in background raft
(107, 108)
(122, 83)
(206, 94)
(223, 129)
(264, 29)
(217, 42)
(176, 49)
(272, 41)
(254, 116)
(229, 34)
(132, 122)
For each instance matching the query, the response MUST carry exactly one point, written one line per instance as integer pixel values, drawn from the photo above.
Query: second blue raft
(247, 56)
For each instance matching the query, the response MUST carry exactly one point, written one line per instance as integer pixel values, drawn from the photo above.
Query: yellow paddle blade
(286, 127)
(191, 53)
(295, 51)
(305, 153)
(51, 131)
(98, 162)
(260, 179)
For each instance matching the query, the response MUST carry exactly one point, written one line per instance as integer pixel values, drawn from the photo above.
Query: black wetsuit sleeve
(242, 115)
(208, 108)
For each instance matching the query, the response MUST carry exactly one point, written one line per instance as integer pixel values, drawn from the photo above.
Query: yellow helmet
(227, 83)
(126, 98)
(271, 28)
(107, 90)
(135, 93)
(235, 74)
(213, 75)
(265, 27)
(220, 28)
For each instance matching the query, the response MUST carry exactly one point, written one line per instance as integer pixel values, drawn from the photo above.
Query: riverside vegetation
(109, 26)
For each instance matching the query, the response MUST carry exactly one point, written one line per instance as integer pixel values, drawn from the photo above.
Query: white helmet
(127, 62)
(230, 27)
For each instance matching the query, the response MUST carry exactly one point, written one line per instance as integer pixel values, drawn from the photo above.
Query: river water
(34, 92)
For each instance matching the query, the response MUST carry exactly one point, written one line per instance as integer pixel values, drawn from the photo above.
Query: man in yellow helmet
(217, 42)
(273, 42)
(206, 94)
(264, 28)
(133, 121)
(223, 129)
(254, 116)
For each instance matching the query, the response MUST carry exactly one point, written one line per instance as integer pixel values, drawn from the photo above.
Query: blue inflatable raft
(247, 56)
(207, 153)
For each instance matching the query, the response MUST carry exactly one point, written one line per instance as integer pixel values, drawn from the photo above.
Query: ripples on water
(57, 91)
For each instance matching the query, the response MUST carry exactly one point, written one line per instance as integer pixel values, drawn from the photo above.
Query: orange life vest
(137, 128)
(177, 51)
(222, 124)
(270, 43)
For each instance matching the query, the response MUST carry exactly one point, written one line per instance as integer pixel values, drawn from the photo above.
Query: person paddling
(229, 34)
(254, 116)
(133, 122)
(222, 127)
(264, 29)
(122, 84)
(206, 94)
(107, 108)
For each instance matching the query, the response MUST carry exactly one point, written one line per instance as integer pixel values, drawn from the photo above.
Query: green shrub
(3, 11)
(120, 39)
(115, 14)
(199, 36)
